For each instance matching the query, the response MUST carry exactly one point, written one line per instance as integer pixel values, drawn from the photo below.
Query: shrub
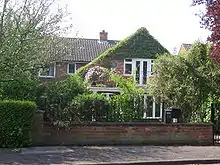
(90, 107)
(127, 108)
(129, 105)
(98, 75)
(16, 119)
(60, 94)
(22, 88)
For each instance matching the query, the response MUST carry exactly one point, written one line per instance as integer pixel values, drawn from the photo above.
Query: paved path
(108, 154)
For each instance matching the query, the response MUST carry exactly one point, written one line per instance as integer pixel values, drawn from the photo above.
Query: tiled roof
(186, 46)
(80, 49)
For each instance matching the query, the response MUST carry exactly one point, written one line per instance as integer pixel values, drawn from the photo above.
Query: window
(71, 68)
(48, 71)
(153, 108)
(128, 66)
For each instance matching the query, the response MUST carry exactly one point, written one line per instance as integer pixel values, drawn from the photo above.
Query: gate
(215, 119)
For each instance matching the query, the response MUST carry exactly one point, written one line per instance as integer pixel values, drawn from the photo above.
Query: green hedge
(16, 119)
(91, 107)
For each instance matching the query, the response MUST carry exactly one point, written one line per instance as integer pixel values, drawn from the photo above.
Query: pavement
(127, 155)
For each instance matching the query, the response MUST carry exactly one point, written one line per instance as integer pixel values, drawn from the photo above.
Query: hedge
(91, 107)
(16, 120)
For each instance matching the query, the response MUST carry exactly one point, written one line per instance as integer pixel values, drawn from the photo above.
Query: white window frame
(69, 70)
(128, 62)
(45, 76)
(133, 66)
(153, 110)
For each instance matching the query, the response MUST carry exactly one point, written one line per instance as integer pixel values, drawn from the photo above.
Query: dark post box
(168, 116)
(172, 115)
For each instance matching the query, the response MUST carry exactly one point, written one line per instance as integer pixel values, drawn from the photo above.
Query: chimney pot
(103, 35)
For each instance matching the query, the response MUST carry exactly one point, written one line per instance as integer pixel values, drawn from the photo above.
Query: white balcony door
(141, 70)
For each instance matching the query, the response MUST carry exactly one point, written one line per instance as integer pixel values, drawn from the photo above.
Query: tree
(187, 81)
(211, 20)
(28, 33)
(27, 28)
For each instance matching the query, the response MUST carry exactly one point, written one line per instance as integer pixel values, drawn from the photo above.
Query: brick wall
(123, 133)
(61, 70)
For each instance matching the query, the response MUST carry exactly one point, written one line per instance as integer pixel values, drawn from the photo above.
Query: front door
(141, 70)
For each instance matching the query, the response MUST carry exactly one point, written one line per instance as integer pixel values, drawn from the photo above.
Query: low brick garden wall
(122, 134)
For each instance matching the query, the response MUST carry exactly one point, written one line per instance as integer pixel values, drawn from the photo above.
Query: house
(132, 57)
(74, 53)
(184, 48)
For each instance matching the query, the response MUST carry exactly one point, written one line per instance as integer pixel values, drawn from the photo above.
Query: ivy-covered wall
(139, 45)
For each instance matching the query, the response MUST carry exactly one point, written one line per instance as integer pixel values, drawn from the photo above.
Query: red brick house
(132, 56)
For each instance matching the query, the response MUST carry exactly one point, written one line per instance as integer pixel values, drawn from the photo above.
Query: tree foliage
(187, 80)
(59, 95)
(27, 30)
(211, 20)
(26, 27)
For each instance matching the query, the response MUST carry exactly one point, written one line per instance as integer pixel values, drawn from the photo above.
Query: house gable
(139, 45)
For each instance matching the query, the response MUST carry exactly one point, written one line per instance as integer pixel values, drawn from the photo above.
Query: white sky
(171, 22)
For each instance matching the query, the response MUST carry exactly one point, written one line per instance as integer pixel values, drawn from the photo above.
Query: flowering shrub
(98, 75)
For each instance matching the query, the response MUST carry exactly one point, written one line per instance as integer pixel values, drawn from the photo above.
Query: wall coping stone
(138, 124)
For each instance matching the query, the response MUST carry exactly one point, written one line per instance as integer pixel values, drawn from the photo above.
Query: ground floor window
(48, 71)
(152, 108)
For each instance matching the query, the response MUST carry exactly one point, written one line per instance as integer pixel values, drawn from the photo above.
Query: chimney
(103, 35)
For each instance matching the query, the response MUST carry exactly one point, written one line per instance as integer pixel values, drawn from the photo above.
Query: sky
(171, 22)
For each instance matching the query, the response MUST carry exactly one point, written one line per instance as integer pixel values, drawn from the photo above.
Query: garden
(190, 83)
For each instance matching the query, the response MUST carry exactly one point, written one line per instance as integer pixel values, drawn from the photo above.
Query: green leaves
(186, 80)
(139, 45)
(26, 37)
(59, 95)
(127, 108)
(90, 107)
(16, 119)
(22, 88)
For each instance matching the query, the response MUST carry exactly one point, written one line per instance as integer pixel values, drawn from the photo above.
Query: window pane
(51, 70)
(137, 71)
(71, 68)
(48, 70)
(128, 68)
(149, 106)
(144, 72)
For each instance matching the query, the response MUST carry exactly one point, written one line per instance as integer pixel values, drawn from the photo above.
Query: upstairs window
(48, 71)
(71, 68)
(128, 66)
